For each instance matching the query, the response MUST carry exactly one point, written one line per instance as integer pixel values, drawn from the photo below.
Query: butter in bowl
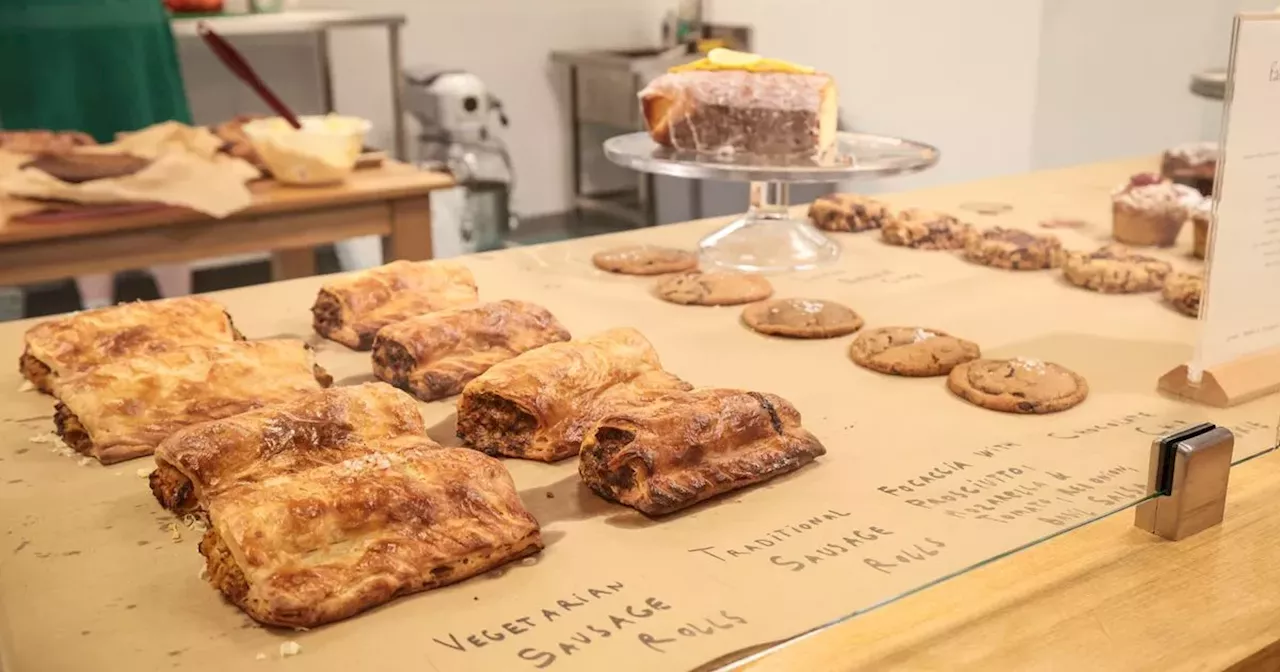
(323, 152)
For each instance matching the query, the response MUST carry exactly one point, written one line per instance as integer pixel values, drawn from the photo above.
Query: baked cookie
(801, 318)
(1113, 269)
(911, 351)
(926, 230)
(1183, 292)
(713, 288)
(644, 260)
(847, 212)
(1013, 249)
(1018, 385)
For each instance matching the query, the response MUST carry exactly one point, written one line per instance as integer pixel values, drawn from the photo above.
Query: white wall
(1002, 86)
(507, 43)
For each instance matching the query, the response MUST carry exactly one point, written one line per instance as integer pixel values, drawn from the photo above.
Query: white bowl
(324, 151)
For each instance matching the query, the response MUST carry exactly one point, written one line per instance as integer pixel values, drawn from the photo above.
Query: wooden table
(393, 201)
(93, 573)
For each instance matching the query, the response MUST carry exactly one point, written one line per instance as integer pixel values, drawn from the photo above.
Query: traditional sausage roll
(124, 409)
(322, 544)
(538, 405)
(321, 427)
(669, 451)
(433, 356)
(351, 309)
(84, 340)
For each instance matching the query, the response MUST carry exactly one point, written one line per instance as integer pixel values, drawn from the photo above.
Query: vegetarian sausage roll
(124, 409)
(321, 427)
(351, 309)
(81, 341)
(677, 448)
(433, 356)
(538, 405)
(303, 548)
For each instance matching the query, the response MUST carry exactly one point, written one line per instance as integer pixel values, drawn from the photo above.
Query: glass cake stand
(768, 238)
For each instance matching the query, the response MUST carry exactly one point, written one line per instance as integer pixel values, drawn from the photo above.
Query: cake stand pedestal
(768, 239)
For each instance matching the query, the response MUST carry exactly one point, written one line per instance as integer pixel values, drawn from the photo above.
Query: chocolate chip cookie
(801, 318)
(1114, 269)
(1018, 385)
(1013, 250)
(713, 288)
(644, 260)
(847, 212)
(1183, 291)
(911, 351)
(926, 230)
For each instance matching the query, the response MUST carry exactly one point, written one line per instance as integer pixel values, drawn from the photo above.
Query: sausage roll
(84, 340)
(672, 450)
(321, 427)
(318, 545)
(351, 309)
(124, 409)
(433, 356)
(538, 405)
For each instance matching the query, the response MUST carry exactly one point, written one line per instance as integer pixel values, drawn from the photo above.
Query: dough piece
(124, 409)
(322, 427)
(926, 230)
(801, 318)
(351, 309)
(81, 341)
(847, 212)
(1018, 385)
(305, 548)
(538, 406)
(1151, 211)
(434, 355)
(680, 448)
(911, 351)
(1114, 269)
(1183, 291)
(714, 288)
(644, 260)
(77, 168)
(1013, 250)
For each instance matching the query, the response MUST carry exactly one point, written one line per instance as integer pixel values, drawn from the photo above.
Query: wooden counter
(392, 200)
(94, 573)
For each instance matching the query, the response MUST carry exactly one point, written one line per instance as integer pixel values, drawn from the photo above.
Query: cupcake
(1201, 220)
(1150, 210)
(1192, 164)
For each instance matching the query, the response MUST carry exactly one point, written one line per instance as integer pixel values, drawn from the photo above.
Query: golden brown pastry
(323, 544)
(124, 409)
(677, 448)
(351, 309)
(322, 427)
(81, 341)
(433, 356)
(41, 142)
(538, 405)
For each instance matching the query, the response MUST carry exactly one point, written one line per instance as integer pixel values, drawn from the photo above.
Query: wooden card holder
(1189, 473)
(1228, 384)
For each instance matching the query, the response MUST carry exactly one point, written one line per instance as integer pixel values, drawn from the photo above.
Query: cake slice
(736, 102)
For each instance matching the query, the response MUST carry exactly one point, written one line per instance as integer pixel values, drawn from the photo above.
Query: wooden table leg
(411, 229)
(295, 263)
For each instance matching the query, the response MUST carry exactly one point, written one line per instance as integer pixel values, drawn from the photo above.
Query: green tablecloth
(98, 66)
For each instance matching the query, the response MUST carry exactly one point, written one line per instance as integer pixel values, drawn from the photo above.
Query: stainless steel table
(320, 22)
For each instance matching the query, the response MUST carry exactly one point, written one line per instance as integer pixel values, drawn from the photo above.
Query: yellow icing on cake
(728, 59)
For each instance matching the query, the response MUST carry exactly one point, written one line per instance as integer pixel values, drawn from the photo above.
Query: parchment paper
(916, 484)
(186, 171)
